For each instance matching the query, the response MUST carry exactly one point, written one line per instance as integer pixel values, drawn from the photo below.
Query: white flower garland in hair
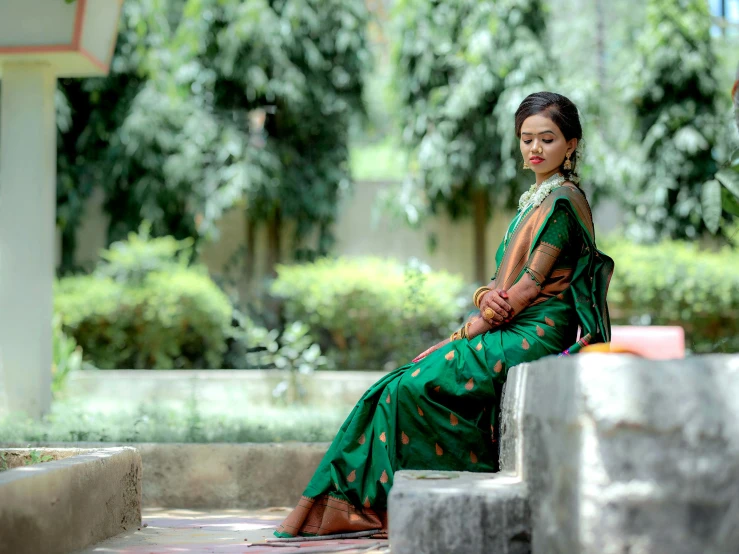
(536, 195)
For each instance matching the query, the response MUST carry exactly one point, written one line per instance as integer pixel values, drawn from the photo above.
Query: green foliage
(133, 259)
(66, 356)
(368, 313)
(295, 351)
(728, 199)
(18, 459)
(210, 104)
(143, 308)
(462, 68)
(35, 457)
(152, 423)
(675, 96)
(292, 73)
(174, 319)
(93, 152)
(678, 283)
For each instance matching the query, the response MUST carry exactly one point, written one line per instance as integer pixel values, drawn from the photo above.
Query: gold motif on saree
(498, 366)
(439, 450)
(361, 439)
(387, 399)
(525, 344)
(384, 477)
(352, 476)
(549, 321)
(478, 347)
(473, 457)
(404, 438)
(415, 373)
(383, 438)
(437, 389)
(453, 420)
(420, 411)
(540, 331)
(470, 384)
(450, 355)
(366, 502)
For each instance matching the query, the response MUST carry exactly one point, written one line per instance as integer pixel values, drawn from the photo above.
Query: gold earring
(568, 163)
(526, 165)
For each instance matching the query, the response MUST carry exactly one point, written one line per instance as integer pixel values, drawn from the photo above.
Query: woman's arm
(561, 232)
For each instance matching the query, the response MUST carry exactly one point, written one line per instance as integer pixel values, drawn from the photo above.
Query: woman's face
(543, 145)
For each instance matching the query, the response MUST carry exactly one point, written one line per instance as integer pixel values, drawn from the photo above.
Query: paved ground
(167, 531)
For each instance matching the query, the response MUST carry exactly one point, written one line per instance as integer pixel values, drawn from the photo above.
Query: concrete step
(168, 531)
(432, 512)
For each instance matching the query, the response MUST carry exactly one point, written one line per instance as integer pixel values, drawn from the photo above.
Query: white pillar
(27, 222)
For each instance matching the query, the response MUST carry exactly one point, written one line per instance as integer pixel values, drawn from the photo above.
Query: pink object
(654, 342)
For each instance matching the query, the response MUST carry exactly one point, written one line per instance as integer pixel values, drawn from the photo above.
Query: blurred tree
(723, 193)
(291, 72)
(678, 123)
(462, 68)
(210, 103)
(127, 134)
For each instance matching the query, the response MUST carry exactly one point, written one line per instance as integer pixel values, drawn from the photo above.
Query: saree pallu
(438, 413)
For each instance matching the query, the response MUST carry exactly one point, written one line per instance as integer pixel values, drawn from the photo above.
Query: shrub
(175, 319)
(144, 308)
(369, 313)
(66, 356)
(677, 283)
(139, 255)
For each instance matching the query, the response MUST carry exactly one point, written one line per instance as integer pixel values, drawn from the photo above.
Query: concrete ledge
(116, 389)
(228, 475)
(224, 475)
(62, 506)
(459, 513)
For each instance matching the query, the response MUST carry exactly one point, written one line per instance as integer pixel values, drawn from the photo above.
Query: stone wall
(610, 454)
(622, 454)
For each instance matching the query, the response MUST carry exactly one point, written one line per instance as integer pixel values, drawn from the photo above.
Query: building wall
(360, 231)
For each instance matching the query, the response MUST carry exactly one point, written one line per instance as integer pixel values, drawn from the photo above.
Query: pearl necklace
(536, 195)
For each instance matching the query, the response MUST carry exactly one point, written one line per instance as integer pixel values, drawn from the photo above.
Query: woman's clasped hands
(494, 307)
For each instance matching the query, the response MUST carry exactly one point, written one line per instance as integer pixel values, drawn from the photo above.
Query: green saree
(439, 413)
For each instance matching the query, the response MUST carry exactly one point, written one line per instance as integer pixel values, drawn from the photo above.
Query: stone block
(242, 476)
(68, 504)
(221, 476)
(622, 454)
(458, 513)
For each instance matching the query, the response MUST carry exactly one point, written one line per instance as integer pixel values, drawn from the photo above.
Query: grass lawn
(68, 422)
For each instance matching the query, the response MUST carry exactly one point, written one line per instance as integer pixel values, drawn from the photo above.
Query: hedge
(175, 319)
(370, 313)
(678, 283)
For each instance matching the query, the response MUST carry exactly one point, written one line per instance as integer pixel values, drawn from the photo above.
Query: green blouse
(564, 233)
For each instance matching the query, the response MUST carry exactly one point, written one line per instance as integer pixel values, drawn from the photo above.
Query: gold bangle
(479, 293)
(454, 336)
